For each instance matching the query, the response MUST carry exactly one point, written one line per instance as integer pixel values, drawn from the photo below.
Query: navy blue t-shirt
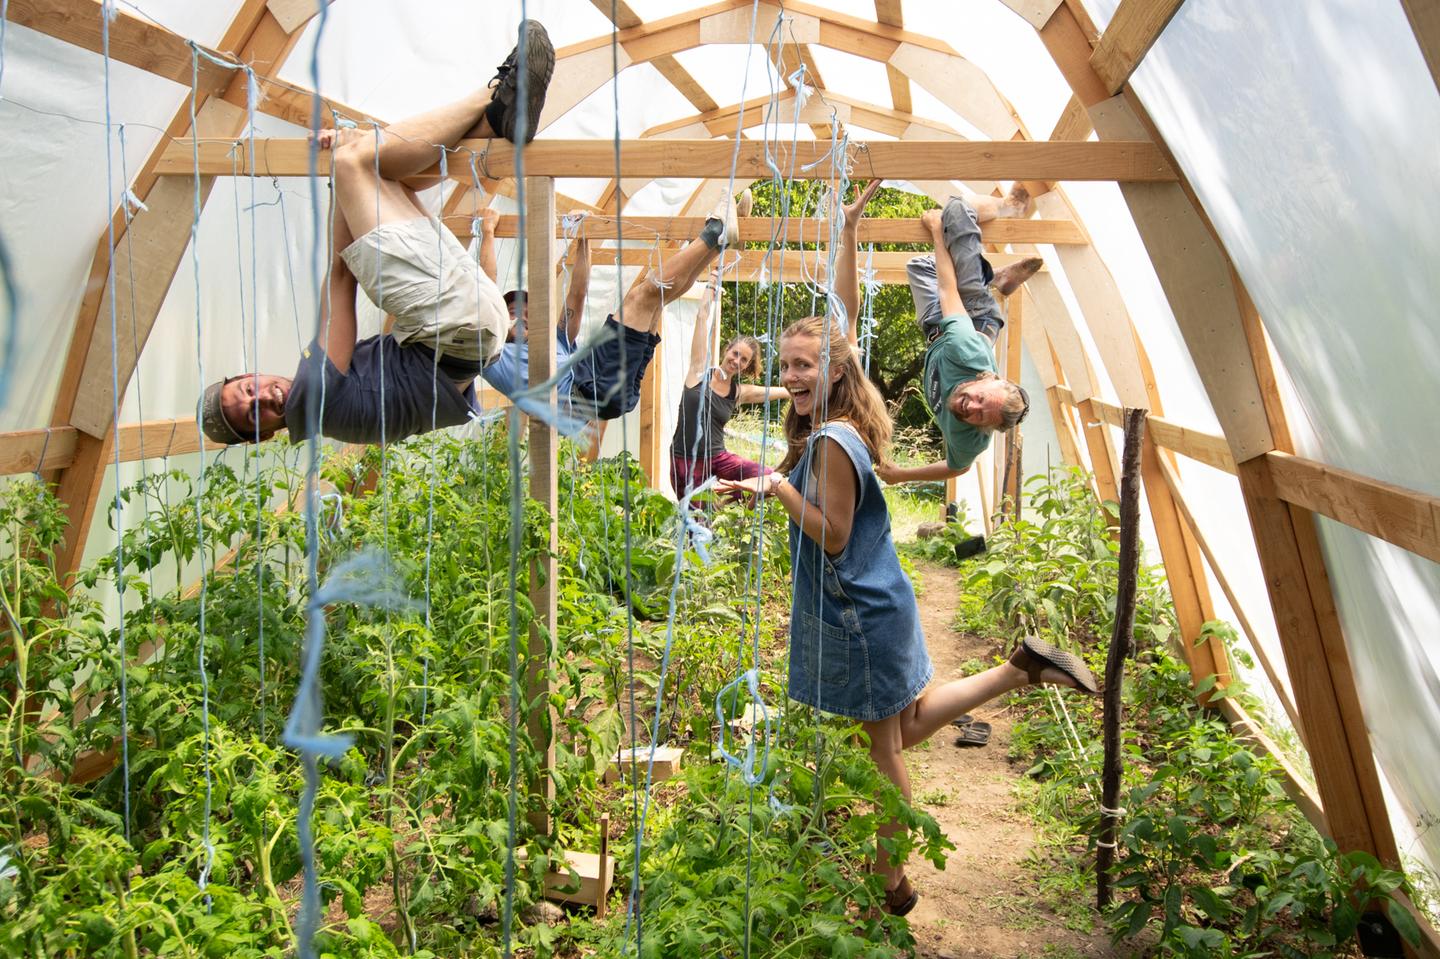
(418, 396)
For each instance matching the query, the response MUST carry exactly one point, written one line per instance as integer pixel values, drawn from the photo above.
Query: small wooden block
(596, 873)
(594, 880)
(667, 762)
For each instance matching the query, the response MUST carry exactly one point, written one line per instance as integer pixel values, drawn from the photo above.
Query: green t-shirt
(957, 356)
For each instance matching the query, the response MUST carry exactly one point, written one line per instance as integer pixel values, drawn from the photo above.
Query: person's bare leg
(645, 300)
(940, 704)
(1016, 203)
(885, 750)
(596, 431)
(1010, 278)
(411, 145)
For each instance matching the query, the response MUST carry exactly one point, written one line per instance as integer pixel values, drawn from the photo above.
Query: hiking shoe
(725, 211)
(503, 112)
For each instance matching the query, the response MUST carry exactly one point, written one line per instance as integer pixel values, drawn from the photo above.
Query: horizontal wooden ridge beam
(762, 229)
(1119, 160)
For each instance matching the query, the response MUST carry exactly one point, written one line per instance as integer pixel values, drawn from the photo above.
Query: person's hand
(888, 472)
(862, 197)
(489, 220)
(764, 483)
(930, 220)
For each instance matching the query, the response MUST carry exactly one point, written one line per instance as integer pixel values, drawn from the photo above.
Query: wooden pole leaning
(1120, 643)
(540, 337)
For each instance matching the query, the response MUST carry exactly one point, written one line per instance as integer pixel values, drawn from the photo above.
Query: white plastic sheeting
(1312, 135)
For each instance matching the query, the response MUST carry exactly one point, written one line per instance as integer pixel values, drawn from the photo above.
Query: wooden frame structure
(1281, 490)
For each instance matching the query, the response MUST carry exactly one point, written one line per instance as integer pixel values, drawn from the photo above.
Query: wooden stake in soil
(1119, 649)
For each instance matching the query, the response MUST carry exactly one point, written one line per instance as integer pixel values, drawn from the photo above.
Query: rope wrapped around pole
(1120, 643)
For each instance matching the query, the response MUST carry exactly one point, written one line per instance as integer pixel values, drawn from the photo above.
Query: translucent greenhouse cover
(1311, 177)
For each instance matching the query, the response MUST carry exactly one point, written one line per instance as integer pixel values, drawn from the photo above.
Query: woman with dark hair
(711, 395)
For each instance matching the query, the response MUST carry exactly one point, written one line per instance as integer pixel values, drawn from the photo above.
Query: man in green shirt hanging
(961, 321)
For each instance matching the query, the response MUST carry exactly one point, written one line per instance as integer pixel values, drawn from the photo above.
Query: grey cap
(212, 417)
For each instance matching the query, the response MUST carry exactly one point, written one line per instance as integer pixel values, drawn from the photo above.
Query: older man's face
(255, 400)
(978, 403)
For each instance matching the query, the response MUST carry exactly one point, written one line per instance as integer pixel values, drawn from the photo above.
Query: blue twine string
(517, 699)
(433, 439)
(204, 878)
(107, 13)
(306, 716)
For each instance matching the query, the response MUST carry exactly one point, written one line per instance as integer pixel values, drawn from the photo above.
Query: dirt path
(984, 904)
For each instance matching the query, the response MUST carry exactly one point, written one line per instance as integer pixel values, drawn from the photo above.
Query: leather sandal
(900, 900)
(1035, 656)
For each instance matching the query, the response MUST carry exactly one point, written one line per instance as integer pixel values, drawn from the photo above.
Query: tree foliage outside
(897, 352)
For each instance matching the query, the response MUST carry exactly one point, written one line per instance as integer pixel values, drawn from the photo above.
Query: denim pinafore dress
(856, 646)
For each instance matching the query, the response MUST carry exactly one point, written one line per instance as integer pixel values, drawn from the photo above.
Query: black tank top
(718, 411)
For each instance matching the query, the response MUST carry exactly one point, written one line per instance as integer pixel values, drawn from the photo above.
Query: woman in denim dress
(856, 646)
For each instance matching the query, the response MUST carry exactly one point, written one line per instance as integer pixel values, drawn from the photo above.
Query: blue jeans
(972, 275)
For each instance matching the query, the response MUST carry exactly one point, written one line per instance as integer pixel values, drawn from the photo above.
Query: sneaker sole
(539, 68)
(1068, 663)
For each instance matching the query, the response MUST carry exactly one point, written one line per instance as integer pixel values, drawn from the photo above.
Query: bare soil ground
(985, 903)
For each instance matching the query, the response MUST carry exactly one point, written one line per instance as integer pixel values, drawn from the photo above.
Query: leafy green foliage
(1213, 859)
(412, 825)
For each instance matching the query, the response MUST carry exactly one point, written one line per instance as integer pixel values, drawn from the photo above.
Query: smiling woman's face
(800, 372)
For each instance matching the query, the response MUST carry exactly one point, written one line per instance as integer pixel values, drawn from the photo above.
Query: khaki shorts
(439, 296)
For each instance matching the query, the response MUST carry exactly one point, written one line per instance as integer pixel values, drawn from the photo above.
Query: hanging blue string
(209, 849)
(107, 13)
(517, 699)
(302, 728)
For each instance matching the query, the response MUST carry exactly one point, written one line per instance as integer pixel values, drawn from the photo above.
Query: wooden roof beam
(133, 41)
(1424, 18)
(888, 12)
(669, 67)
(1131, 32)
(584, 67)
(761, 229)
(1119, 160)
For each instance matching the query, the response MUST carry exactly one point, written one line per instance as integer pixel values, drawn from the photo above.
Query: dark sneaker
(503, 112)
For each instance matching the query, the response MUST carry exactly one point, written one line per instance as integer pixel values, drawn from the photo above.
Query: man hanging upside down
(604, 384)
(450, 320)
(961, 321)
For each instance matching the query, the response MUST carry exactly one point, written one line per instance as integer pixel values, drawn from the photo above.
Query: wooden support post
(653, 445)
(540, 337)
(1014, 319)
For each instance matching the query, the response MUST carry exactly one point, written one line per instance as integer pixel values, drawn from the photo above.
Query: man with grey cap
(450, 320)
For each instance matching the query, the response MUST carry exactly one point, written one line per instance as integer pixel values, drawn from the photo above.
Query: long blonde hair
(852, 397)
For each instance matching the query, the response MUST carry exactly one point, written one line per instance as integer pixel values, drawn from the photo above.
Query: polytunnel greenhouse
(963, 489)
